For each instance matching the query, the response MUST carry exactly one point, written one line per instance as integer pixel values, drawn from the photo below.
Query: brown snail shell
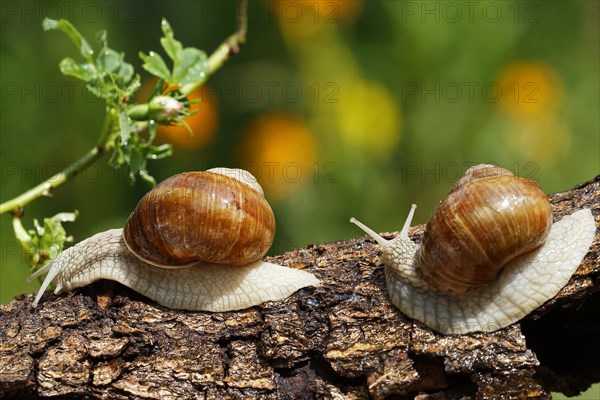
(200, 216)
(489, 217)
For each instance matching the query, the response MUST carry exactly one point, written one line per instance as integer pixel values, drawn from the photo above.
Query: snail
(490, 254)
(194, 242)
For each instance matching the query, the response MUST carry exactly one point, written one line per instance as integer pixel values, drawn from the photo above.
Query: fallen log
(342, 340)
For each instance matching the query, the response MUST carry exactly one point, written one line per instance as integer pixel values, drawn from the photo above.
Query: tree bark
(342, 340)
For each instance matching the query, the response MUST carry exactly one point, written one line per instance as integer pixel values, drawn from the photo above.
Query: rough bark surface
(343, 340)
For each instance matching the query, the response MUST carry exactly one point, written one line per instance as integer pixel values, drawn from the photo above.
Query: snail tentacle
(53, 269)
(399, 251)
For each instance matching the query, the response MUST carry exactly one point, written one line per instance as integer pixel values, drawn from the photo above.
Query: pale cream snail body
(490, 254)
(194, 242)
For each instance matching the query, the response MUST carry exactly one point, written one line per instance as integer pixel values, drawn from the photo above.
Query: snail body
(490, 254)
(194, 242)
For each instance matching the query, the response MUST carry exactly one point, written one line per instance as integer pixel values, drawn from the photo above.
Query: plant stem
(107, 128)
(46, 187)
(215, 61)
(230, 46)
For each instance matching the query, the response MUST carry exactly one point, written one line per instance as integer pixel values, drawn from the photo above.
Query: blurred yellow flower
(280, 150)
(530, 89)
(532, 94)
(368, 117)
(345, 11)
(303, 18)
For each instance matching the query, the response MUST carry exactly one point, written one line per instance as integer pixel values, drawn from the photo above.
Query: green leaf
(96, 87)
(53, 237)
(20, 232)
(134, 85)
(102, 38)
(152, 128)
(124, 126)
(86, 72)
(43, 243)
(146, 177)
(159, 152)
(66, 27)
(112, 62)
(108, 76)
(157, 89)
(117, 158)
(191, 64)
(126, 71)
(187, 126)
(137, 161)
(134, 154)
(168, 42)
(154, 64)
(108, 60)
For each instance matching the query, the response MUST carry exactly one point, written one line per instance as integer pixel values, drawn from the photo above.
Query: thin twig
(45, 188)
(215, 61)
(230, 46)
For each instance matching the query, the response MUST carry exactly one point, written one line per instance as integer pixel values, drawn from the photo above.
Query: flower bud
(165, 109)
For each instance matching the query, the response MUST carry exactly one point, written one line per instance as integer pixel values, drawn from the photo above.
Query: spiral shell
(211, 216)
(489, 218)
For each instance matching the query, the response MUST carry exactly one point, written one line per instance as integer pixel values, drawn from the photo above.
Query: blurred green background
(341, 108)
